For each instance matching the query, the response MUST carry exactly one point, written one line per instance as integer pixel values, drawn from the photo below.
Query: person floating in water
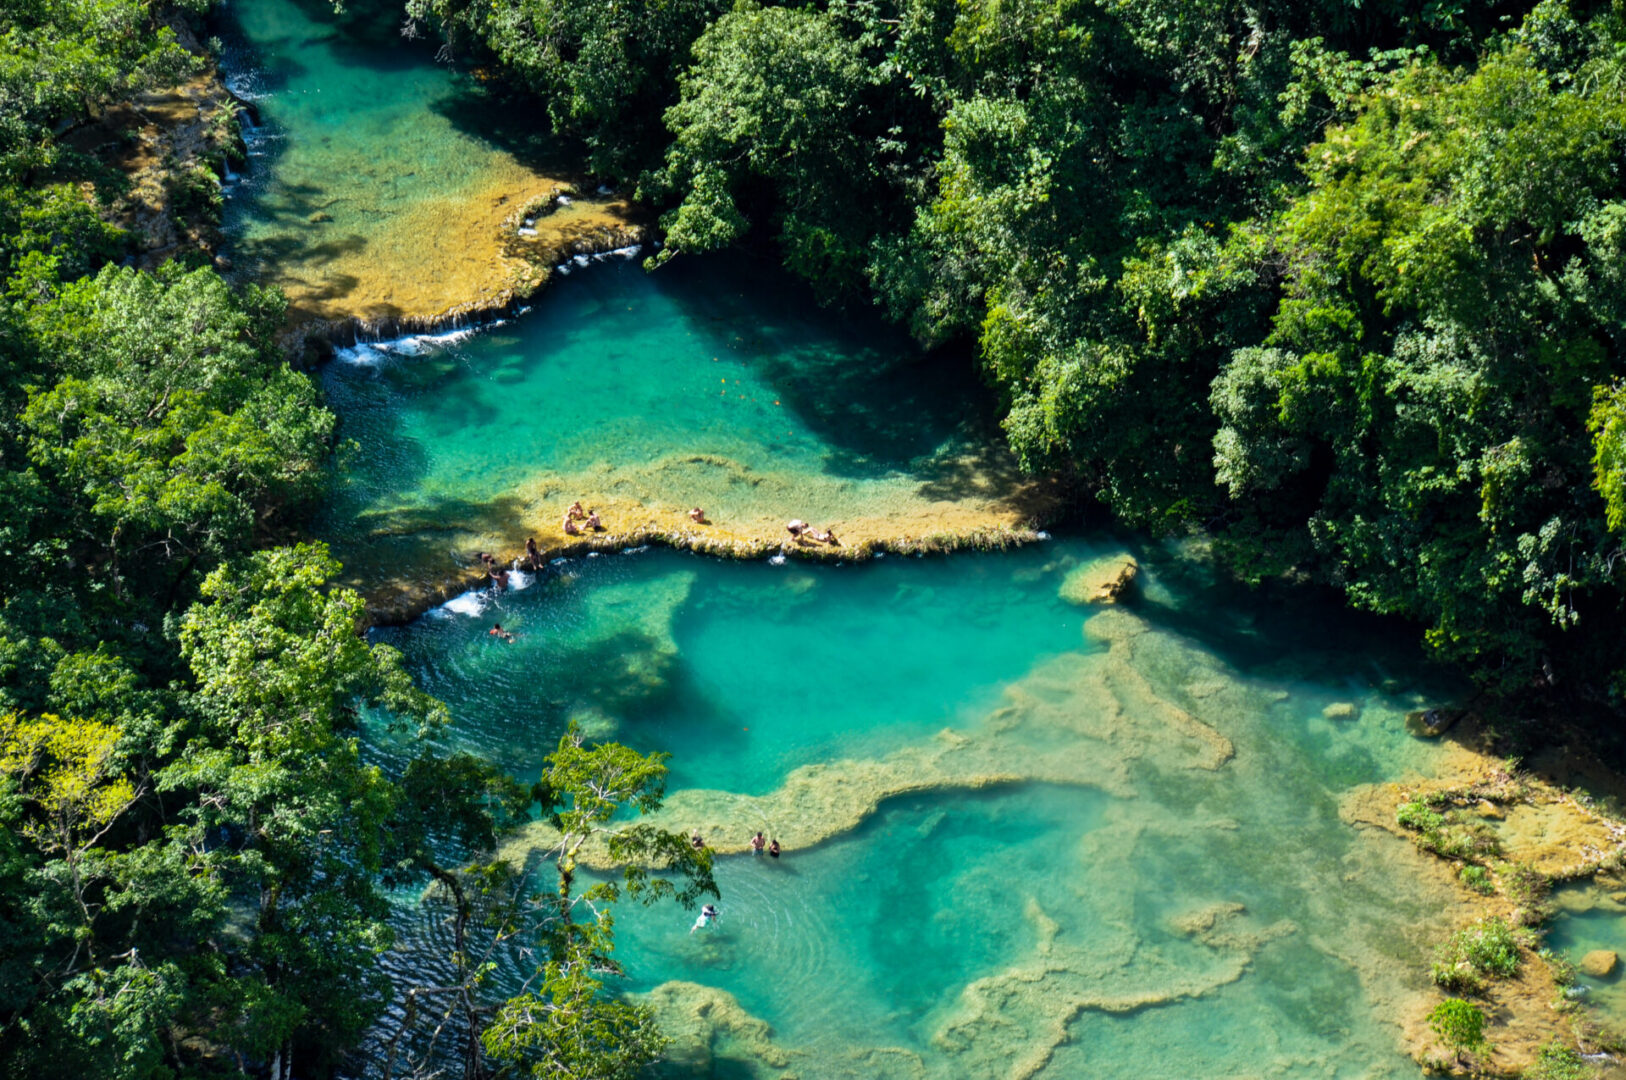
(497, 631)
(757, 843)
(773, 849)
(698, 516)
(708, 915)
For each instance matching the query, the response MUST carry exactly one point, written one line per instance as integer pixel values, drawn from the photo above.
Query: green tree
(1459, 1025)
(566, 1023)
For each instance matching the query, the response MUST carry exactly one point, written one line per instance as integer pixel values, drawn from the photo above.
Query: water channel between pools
(1023, 837)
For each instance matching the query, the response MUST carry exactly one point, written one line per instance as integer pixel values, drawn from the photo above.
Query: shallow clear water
(1589, 920)
(1161, 917)
(374, 169)
(710, 383)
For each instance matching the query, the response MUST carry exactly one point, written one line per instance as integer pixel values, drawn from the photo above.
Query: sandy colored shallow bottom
(405, 563)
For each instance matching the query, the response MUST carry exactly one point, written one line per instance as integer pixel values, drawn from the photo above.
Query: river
(1023, 836)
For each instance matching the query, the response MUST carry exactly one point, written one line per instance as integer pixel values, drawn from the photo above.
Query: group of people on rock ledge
(588, 518)
(800, 531)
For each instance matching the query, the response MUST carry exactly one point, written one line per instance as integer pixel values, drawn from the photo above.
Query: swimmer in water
(497, 631)
(773, 849)
(708, 915)
(757, 843)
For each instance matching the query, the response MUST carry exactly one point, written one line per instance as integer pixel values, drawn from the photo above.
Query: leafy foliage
(1459, 1025)
(1488, 949)
(1559, 1062)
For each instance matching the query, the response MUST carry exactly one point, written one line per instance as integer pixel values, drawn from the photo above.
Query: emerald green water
(715, 384)
(376, 174)
(917, 942)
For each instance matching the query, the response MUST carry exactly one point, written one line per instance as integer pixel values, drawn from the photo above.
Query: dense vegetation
(1338, 282)
(194, 838)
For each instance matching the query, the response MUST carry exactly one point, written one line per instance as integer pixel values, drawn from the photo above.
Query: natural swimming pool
(1023, 838)
(1097, 841)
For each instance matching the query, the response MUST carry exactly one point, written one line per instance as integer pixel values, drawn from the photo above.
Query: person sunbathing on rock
(570, 526)
(575, 511)
(593, 522)
(698, 516)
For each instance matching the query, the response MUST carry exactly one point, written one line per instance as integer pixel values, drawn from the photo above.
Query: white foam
(527, 231)
(1042, 535)
(582, 260)
(564, 200)
(470, 603)
(639, 550)
(563, 268)
(520, 579)
(373, 353)
(606, 189)
(776, 560)
(560, 561)
(593, 554)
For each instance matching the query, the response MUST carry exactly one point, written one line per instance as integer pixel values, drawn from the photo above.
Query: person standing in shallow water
(773, 849)
(756, 844)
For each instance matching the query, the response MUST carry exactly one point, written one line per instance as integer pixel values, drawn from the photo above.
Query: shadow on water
(511, 120)
(860, 384)
(1255, 629)
(367, 33)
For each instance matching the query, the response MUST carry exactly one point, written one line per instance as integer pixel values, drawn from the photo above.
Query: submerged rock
(1341, 710)
(1100, 581)
(1431, 723)
(1599, 963)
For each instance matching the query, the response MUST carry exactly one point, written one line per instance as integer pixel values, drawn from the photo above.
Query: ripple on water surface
(1156, 883)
